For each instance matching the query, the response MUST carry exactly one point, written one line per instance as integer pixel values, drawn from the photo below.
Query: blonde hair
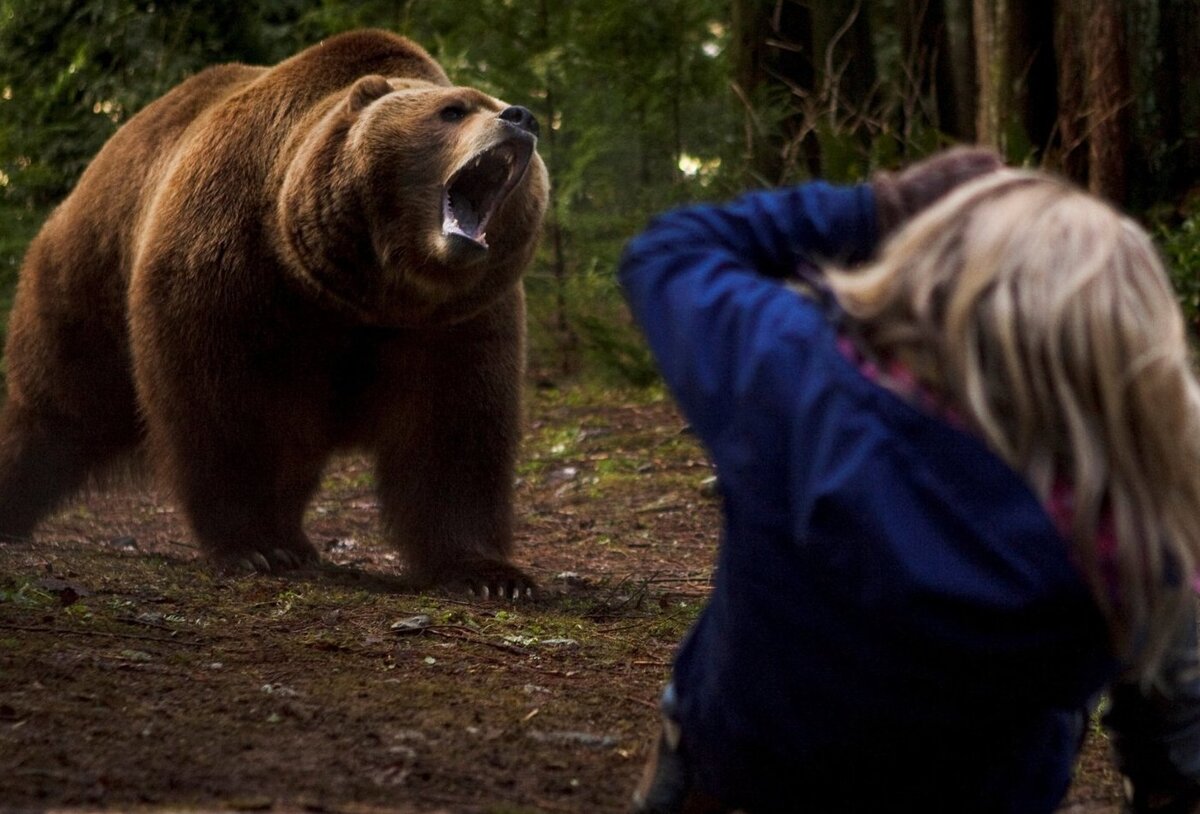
(1047, 319)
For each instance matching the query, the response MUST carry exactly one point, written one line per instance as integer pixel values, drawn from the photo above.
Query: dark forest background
(649, 103)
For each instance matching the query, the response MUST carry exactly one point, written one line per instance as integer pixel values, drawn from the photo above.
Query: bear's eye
(453, 113)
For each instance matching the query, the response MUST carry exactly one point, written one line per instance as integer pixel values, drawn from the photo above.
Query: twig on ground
(643, 702)
(466, 635)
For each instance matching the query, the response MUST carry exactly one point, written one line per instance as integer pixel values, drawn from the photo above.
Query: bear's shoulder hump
(373, 51)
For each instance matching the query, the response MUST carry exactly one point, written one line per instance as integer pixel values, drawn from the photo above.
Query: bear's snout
(521, 117)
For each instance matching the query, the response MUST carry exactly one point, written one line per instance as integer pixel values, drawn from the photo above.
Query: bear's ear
(367, 90)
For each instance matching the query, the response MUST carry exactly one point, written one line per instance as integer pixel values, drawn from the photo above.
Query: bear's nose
(522, 117)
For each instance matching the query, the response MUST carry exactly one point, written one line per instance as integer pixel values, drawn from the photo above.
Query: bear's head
(408, 202)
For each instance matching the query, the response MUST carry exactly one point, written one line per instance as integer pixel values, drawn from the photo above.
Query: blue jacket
(896, 623)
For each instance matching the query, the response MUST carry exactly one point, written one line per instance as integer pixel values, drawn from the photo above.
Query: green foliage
(588, 328)
(25, 594)
(72, 70)
(1181, 251)
(634, 99)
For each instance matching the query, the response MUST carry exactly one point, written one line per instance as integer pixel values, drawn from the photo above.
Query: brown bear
(268, 265)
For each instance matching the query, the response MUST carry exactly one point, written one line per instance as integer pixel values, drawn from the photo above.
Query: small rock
(136, 655)
(412, 624)
(409, 735)
(564, 475)
(574, 739)
(560, 642)
(67, 593)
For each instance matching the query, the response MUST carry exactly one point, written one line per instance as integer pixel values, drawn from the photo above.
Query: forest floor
(132, 678)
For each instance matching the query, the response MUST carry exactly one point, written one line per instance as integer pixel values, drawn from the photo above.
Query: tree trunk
(842, 48)
(750, 31)
(791, 29)
(1179, 24)
(960, 110)
(1069, 154)
(1033, 71)
(1110, 98)
(774, 80)
(927, 54)
(1017, 75)
(846, 84)
(1095, 95)
(991, 25)
(567, 339)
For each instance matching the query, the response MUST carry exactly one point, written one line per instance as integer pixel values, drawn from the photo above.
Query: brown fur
(251, 275)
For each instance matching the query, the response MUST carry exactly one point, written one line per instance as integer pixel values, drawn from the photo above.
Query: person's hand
(900, 195)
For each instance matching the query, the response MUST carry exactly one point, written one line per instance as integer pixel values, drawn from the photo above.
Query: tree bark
(750, 31)
(991, 26)
(774, 80)
(1095, 95)
(845, 85)
(1179, 22)
(568, 341)
(1069, 154)
(1109, 101)
(1017, 75)
(844, 54)
(960, 111)
(1033, 71)
(934, 46)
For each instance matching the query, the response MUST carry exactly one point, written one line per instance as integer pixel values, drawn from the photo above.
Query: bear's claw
(291, 560)
(275, 561)
(510, 592)
(502, 592)
(488, 580)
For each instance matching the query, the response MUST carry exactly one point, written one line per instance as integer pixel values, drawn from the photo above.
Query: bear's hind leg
(43, 461)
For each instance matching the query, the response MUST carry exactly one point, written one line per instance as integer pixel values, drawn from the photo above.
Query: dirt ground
(132, 678)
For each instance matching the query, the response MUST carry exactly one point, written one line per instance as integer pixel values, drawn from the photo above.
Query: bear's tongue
(475, 190)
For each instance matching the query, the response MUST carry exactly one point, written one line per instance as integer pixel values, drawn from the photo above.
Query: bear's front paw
(267, 561)
(488, 579)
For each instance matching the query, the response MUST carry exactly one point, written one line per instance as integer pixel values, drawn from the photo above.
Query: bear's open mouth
(475, 191)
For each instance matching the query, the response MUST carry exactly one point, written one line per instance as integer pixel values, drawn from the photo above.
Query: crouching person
(961, 495)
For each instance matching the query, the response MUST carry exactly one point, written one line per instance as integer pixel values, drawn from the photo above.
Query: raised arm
(699, 281)
(703, 281)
